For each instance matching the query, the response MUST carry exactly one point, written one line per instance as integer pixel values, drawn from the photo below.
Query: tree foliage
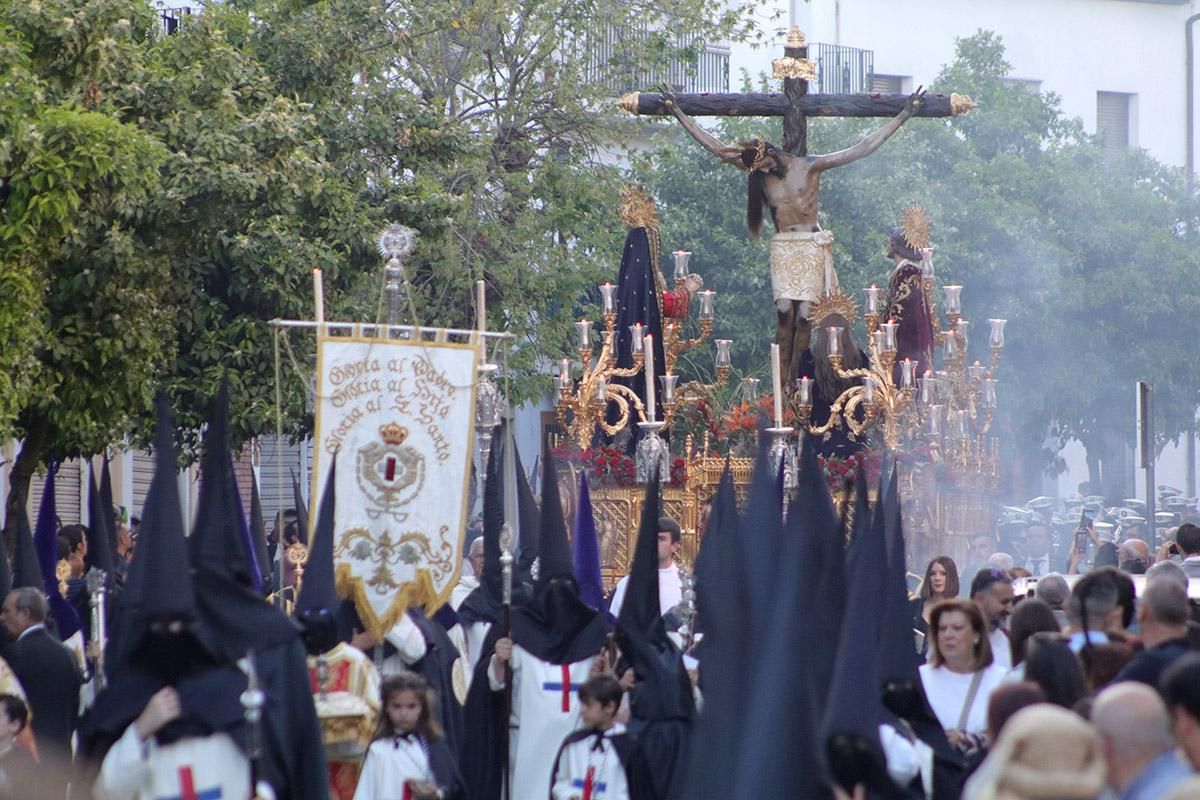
(1085, 255)
(166, 196)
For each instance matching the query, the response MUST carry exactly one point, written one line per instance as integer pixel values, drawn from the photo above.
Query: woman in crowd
(940, 583)
(1050, 664)
(960, 675)
(1029, 617)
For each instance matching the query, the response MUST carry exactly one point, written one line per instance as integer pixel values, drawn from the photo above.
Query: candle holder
(652, 457)
(681, 266)
(781, 456)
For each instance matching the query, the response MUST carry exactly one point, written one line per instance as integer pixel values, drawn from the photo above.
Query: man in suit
(46, 669)
(1039, 559)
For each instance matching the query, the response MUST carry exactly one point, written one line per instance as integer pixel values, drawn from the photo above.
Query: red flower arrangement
(608, 466)
(839, 472)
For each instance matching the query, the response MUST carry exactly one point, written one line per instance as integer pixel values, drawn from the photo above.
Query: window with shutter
(1112, 121)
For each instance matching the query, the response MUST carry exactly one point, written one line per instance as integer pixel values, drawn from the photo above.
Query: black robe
(837, 441)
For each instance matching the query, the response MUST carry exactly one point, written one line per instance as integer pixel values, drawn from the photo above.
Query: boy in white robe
(591, 762)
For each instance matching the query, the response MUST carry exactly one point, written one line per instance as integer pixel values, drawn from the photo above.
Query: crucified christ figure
(790, 185)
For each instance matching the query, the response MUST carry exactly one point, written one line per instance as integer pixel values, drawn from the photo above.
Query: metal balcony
(841, 70)
(693, 67)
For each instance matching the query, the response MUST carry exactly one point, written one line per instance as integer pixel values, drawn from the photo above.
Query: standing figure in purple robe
(907, 304)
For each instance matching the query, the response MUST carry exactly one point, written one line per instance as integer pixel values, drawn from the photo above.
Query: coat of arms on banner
(404, 410)
(390, 474)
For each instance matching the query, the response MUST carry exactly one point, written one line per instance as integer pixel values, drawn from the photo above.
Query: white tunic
(389, 764)
(476, 632)
(593, 773)
(907, 758)
(410, 646)
(670, 591)
(545, 709)
(947, 692)
(202, 767)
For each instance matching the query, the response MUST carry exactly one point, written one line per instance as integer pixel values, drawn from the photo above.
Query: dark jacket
(51, 678)
(1149, 665)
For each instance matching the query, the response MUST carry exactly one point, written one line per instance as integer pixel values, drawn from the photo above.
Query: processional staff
(97, 586)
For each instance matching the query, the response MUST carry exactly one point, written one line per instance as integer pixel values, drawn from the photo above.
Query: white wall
(1074, 47)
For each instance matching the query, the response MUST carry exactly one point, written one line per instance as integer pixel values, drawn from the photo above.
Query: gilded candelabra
(586, 402)
(583, 404)
(943, 409)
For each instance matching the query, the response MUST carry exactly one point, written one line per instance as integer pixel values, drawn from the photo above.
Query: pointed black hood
(106, 505)
(99, 552)
(663, 690)
(721, 614)
(903, 694)
(216, 542)
(853, 752)
(159, 591)
(554, 550)
(160, 568)
(529, 516)
(157, 636)
(229, 602)
(318, 598)
(258, 534)
(778, 756)
(27, 570)
(301, 509)
(823, 567)
(557, 626)
(45, 540)
(484, 603)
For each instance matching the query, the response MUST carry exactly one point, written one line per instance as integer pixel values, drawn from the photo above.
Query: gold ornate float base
(939, 519)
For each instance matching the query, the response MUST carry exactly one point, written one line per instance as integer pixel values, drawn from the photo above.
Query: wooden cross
(795, 104)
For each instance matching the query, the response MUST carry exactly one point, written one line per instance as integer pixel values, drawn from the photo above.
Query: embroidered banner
(400, 416)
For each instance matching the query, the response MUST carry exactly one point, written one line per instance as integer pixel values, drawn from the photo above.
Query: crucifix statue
(788, 180)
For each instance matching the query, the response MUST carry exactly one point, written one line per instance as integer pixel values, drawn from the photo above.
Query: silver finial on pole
(396, 243)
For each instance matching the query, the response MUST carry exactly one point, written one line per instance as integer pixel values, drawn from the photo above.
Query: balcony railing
(692, 67)
(841, 70)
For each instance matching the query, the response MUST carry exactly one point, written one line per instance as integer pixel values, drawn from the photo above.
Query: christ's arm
(730, 155)
(871, 143)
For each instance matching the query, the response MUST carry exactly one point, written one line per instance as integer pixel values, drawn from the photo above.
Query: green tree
(1082, 254)
(84, 294)
(167, 222)
(219, 164)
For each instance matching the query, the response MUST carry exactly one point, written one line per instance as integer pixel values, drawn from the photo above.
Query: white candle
(480, 307)
(319, 296)
(651, 400)
(776, 382)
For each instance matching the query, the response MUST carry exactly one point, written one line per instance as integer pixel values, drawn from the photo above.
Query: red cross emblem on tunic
(187, 788)
(566, 687)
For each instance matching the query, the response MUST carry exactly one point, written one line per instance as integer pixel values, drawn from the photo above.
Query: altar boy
(591, 761)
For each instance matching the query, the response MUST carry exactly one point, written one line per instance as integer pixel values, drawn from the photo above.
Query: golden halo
(836, 303)
(915, 224)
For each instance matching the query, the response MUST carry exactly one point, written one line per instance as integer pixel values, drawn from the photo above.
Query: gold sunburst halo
(835, 303)
(915, 224)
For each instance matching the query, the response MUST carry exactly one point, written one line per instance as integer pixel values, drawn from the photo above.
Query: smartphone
(1081, 533)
